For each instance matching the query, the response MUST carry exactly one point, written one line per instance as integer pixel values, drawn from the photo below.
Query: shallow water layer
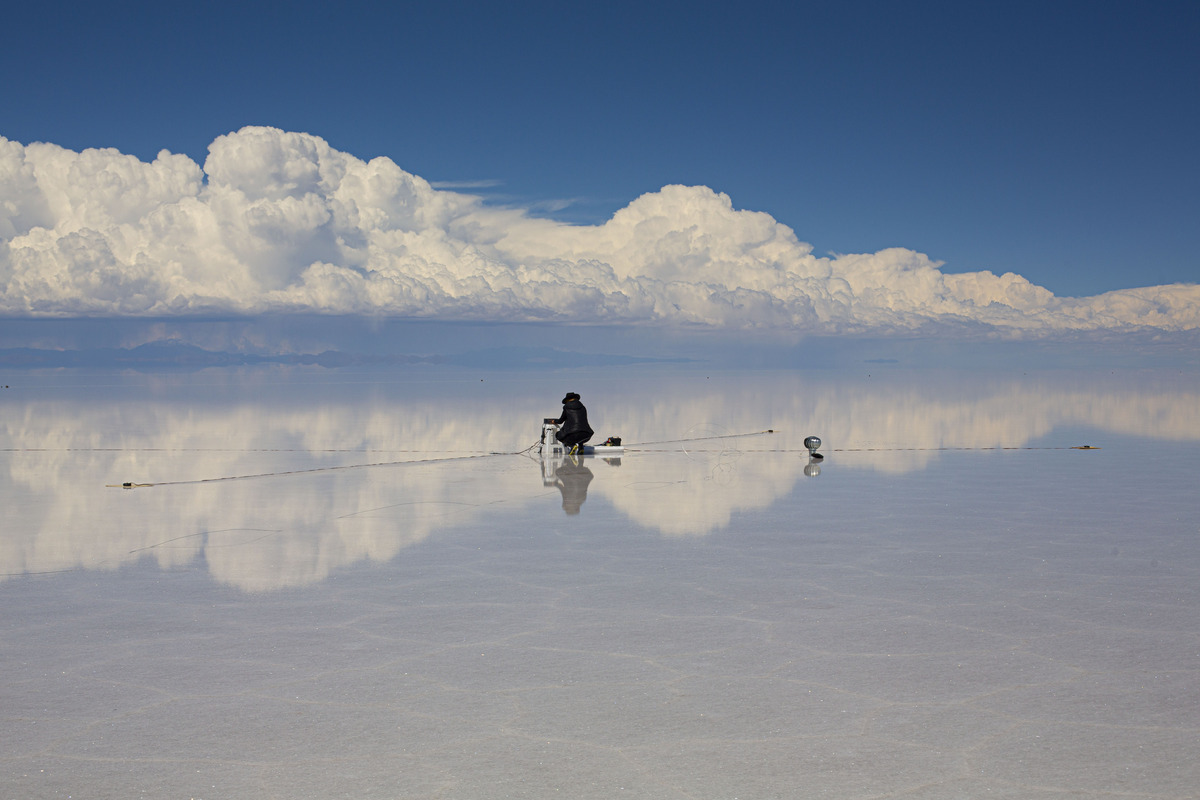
(331, 584)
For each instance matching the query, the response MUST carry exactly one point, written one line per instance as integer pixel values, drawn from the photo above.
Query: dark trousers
(573, 438)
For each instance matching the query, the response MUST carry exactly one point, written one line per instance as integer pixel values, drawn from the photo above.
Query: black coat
(573, 424)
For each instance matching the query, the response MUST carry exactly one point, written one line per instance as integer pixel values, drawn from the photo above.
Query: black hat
(570, 396)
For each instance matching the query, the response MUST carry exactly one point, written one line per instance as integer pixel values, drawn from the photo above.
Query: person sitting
(573, 428)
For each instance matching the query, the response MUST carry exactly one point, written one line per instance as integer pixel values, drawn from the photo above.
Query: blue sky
(1053, 140)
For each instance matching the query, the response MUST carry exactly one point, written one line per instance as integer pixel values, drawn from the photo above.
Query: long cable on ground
(886, 449)
(526, 451)
(131, 485)
(701, 439)
(647, 447)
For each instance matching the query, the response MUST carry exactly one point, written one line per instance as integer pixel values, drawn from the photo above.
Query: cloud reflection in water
(687, 469)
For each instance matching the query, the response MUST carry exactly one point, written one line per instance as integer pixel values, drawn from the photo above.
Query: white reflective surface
(336, 588)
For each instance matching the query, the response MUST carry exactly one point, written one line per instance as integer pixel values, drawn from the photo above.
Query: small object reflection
(813, 468)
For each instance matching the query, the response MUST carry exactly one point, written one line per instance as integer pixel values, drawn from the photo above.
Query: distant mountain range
(170, 354)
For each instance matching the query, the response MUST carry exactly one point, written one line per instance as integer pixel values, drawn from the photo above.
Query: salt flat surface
(349, 585)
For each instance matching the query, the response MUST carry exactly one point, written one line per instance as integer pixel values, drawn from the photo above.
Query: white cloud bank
(281, 222)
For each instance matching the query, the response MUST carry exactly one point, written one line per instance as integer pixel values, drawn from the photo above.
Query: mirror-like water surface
(353, 584)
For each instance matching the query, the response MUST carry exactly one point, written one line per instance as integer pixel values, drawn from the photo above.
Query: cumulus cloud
(281, 222)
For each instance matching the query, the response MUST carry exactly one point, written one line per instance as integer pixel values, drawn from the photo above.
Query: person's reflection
(572, 479)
